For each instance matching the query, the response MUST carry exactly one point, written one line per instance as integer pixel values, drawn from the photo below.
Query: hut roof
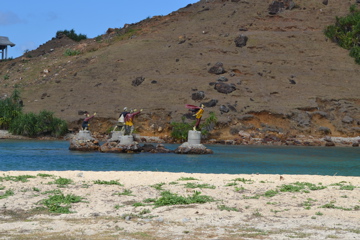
(4, 41)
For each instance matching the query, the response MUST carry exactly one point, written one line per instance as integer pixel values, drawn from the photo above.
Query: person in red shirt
(85, 123)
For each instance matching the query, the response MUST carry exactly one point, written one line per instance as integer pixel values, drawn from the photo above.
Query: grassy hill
(288, 79)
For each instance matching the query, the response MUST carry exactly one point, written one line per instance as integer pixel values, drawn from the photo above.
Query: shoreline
(301, 140)
(123, 205)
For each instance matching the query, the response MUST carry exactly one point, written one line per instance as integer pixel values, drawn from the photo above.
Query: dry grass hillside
(288, 79)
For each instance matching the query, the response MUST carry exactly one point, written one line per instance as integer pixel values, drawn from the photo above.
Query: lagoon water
(54, 156)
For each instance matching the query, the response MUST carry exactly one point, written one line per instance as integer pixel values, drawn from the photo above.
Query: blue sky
(30, 23)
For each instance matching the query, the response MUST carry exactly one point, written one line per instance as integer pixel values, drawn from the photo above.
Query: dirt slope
(288, 76)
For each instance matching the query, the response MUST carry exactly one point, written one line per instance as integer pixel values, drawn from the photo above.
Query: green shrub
(10, 108)
(59, 203)
(71, 34)
(168, 198)
(346, 32)
(28, 124)
(70, 52)
(33, 125)
(180, 129)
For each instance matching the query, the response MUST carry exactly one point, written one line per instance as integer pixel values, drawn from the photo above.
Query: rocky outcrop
(83, 141)
(117, 147)
(187, 148)
(159, 148)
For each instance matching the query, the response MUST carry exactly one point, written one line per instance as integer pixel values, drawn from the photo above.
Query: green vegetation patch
(111, 182)
(187, 179)
(196, 185)
(44, 175)
(20, 178)
(158, 186)
(333, 206)
(225, 208)
(243, 180)
(7, 194)
(126, 192)
(70, 52)
(346, 32)
(59, 203)
(30, 124)
(180, 129)
(62, 182)
(168, 198)
(300, 186)
(308, 203)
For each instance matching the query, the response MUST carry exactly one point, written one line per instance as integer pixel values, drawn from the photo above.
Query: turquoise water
(55, 156)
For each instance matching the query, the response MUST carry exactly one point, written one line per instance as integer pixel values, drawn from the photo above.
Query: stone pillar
(194, 137)
(115, 135)
(126, 140)
(84, 134)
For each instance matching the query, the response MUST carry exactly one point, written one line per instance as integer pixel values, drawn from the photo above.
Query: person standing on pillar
(129, 125)
(198, 114)
(85, 125)
(121, 120)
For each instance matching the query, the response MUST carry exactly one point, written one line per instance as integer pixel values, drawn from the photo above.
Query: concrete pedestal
(116, 135)
(126, 140)
(194, 137)
(84, 135)
(83, 141)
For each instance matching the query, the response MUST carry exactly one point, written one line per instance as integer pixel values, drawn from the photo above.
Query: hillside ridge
(288, 78)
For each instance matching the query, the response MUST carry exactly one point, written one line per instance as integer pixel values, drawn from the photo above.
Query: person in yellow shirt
(198, 114)
(129, 125)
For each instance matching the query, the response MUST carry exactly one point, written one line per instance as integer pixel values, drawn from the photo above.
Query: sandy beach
(161, 205)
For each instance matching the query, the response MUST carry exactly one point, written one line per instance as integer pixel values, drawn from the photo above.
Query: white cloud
(9, 18)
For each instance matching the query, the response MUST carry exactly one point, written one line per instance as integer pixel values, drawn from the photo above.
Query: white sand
(104, 214)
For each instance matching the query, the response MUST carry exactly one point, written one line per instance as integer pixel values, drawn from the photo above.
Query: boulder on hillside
(224, 87)
(324, 130)
(347, 119)
(246, 117)
(217, 69)
(280, 5)
(199, 95)
(241, 40)
(137, 81)
(224, 109)
(211, 103)
(222, 79)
